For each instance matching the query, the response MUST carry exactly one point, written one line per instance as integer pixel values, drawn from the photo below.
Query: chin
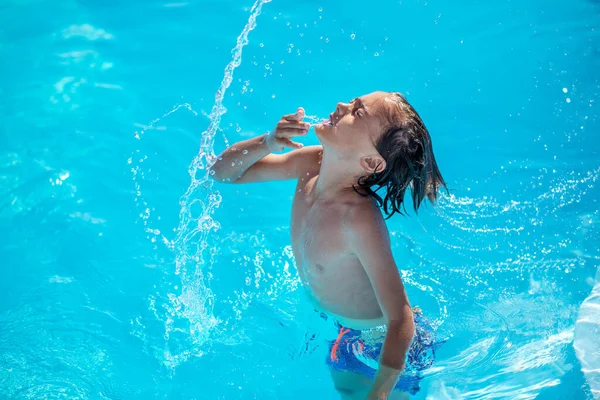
(323, 134)
(322, 128)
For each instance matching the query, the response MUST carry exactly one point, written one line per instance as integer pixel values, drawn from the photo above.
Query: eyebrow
(360, 103)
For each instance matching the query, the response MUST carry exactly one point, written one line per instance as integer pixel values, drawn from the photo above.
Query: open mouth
(330, 121)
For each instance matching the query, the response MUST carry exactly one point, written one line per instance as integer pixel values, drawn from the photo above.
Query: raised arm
(251, 160)
(369, 239)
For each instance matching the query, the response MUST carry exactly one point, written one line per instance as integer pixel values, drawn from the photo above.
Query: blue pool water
(127, 274)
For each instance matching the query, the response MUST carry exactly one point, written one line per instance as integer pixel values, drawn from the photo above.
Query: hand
(374, 396)
(288, 126)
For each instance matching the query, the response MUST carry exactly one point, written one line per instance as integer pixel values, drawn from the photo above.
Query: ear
(372, 164)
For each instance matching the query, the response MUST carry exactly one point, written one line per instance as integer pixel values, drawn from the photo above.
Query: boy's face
(354, 127)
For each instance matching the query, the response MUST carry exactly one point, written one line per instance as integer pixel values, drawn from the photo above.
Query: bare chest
(317, 229)
(335, 279)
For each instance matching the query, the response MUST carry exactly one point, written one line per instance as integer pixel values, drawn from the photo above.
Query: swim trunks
(358, 352)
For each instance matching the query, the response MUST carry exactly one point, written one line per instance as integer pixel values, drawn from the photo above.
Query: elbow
(404, 325)
(399, 338)
(404, 331)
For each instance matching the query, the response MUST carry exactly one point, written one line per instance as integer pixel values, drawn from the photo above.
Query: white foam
(587, 338)
(86, 31)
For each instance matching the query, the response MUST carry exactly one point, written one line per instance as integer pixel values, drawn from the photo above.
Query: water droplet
(565, 90)
(273, 95)
(245, 152)
(233, 164)
(568, 100)
(212, 171)
(352, 36)
(262, 45)
(376, 54)
(267, 66)
(326, 40)
(320, 9)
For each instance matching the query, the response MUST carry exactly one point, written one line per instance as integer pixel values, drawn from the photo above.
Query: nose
(342, 108)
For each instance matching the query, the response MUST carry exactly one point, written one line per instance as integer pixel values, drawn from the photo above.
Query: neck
(335, 177)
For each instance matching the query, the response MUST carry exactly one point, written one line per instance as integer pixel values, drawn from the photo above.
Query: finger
(293, 145)
(291, 132)
(297, 116)
(294, 125)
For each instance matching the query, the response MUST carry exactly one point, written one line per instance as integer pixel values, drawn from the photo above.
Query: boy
(339, 237)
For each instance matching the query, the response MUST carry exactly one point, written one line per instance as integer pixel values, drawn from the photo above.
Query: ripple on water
(51, 349)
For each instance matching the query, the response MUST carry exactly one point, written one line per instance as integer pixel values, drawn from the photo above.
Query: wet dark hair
(405, 145)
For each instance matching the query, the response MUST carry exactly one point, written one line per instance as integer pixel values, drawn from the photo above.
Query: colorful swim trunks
(358, 352)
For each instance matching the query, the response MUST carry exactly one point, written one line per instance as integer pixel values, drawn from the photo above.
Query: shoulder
(315, 151)
(364, 223)
(307, 158)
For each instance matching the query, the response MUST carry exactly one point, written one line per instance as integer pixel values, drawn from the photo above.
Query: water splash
(587, 331)
(314, 120)
(510, 265)
(187, 311)
(194, 303)
(136, 161)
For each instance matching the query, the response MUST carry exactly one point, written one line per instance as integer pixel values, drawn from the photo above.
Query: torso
(333, 277)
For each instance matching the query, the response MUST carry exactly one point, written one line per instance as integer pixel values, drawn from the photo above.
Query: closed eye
(359, 112)
(357, 107)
